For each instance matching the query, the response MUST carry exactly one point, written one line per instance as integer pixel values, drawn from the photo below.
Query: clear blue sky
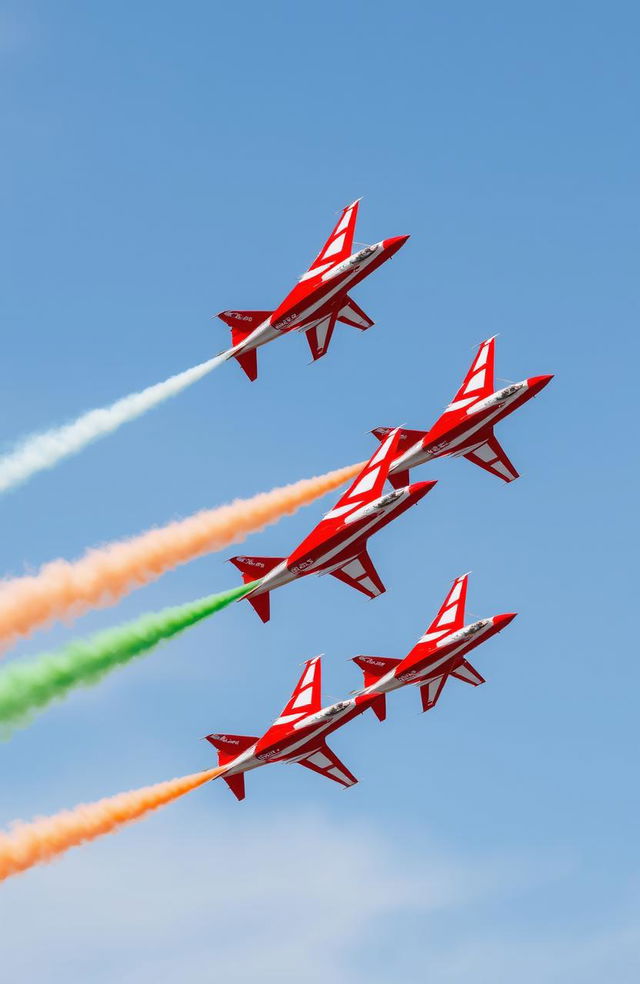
(162, 162)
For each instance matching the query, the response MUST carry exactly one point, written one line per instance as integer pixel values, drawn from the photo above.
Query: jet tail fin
(228, 748)
(374, 667)
(252, 569)
(242, 324)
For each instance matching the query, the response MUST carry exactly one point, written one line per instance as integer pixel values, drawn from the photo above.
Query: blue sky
(162, 162)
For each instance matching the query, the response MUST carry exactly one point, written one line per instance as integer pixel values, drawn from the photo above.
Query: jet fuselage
(319, 554)
(316, 296)
(296, 740)
(459, 428)
(435, 658)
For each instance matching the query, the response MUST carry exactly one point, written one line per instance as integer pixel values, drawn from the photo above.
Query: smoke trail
(26, 688)
(41, 451)
(62, 588)
(28, 844)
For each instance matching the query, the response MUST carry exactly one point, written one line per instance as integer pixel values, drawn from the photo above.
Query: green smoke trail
(30, 687)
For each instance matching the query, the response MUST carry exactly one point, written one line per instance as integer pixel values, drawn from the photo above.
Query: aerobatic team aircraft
(319, 299)
(338, 544)
(466, 426)
(299, 734)
(440, 653)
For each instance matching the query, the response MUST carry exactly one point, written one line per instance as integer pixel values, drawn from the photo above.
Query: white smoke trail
(41, 451)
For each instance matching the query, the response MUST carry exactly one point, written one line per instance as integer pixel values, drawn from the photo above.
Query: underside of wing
(430, 692)
(326, 763)
(468, 674)
(490, 456)
(319, 335)
(359, 573)
(352, 314)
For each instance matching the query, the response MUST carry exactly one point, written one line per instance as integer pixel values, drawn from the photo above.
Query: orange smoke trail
(68, 588)
(28, 844)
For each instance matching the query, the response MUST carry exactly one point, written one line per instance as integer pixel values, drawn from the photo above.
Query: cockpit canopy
(386, 500)
(508, 391)
(336, 708)
(363, 254)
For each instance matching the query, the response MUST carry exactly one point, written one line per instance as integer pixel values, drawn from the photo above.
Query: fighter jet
(319, 299)
(466, 426)
(298, 735)
(338, 544)
(439, 654)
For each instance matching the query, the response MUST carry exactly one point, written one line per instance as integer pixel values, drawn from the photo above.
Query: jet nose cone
(419, 489)
(393, 245)
(501, 621)
(537, 383)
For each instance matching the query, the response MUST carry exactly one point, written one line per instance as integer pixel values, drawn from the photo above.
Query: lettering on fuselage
(302, 566)
(265, 756)
(434, 448)
(411, 675)
(284, 322)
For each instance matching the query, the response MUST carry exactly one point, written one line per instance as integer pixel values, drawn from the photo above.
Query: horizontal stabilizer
(326, 763)
(261, 605)
(248, 362)
(430, 692)
(379, 706)
(375, 667)
(242, 323)
(399, 480)
(352, 314)
(406, 438)
(230, 746)
(253, 568)
(468, 674)
(236, 784)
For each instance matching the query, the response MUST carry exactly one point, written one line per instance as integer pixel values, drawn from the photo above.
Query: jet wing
(451, 614)
(339, 245)
(490, 456)
(352, 314)
(359, 573)
(326, 763)
(478, 382)
(305, 699)
(307, 693)
(430, 692)
(319, 335)
(468, 674)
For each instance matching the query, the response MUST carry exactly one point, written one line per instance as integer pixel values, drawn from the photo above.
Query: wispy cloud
(297, 896)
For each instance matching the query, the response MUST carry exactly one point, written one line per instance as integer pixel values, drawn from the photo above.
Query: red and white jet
(439, 653)
(298, 735)
(466, 426)
(338, 544)
(319, 299)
